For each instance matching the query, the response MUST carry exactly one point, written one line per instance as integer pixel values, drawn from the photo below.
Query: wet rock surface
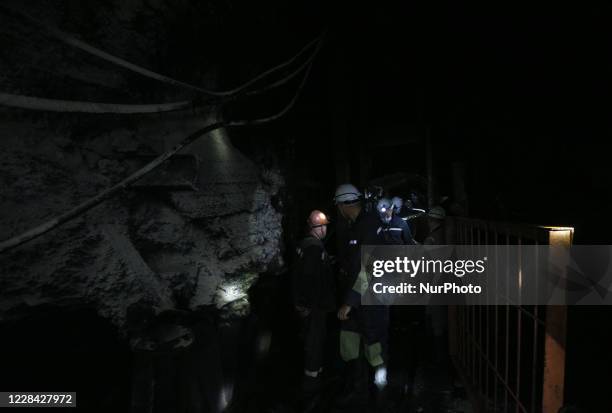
(151, 249)
(169, 264)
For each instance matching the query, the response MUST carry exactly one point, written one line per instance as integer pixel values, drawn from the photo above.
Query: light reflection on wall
(231, 292)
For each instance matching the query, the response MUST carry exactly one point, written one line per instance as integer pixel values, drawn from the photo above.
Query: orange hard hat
(317, 219)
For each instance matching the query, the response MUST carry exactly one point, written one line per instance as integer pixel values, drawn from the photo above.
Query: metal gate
(511, 357)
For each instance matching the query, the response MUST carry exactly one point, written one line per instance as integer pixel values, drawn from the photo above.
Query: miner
(393, 230)
(314, 299)
(367, 323)
(435, 223)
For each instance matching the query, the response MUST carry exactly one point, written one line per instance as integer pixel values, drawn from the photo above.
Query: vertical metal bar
(462, 337)
(534, 362)
(460, 334)
(466, 342)
(476, 309)
(519, 319)
(506, 364)
(473, 341)
(487, 323)
(480, 353)
(473, 331)
(554, 345)
(471, 234)
(496, 338)
(534, 358)
(452, 330)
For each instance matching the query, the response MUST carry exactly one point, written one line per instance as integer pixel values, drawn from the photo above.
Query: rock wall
(191, 235)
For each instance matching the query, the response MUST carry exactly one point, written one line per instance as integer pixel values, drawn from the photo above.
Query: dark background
(519, 92)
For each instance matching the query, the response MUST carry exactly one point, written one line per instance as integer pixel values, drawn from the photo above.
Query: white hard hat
(397, 203)
(346, 194)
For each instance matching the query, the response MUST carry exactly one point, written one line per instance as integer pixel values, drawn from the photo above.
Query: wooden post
(554, 341)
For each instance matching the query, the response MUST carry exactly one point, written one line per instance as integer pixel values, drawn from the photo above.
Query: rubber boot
(380, 400)
(355, 386)
(311, 394)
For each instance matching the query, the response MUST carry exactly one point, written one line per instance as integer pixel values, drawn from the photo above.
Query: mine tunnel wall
(158, 291)
(185, 271)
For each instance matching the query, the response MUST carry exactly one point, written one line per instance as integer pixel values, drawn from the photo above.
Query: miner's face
(342, 210)
(321, 231)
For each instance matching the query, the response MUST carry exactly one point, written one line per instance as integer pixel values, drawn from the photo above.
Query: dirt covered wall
(193, 234)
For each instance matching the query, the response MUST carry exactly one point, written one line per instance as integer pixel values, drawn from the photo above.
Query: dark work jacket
(396, 232)
(361, 232)
(370, 230)
(313, 280)
(411, 217)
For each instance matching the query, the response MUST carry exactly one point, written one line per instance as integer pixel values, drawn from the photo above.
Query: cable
(55, 105)
(286, 109)
(290, 76)
(279, 67)
(90, 203)
(106, 194)
(74, 42)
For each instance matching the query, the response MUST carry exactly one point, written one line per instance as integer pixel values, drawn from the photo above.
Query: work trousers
(369, 324)
(314, 331)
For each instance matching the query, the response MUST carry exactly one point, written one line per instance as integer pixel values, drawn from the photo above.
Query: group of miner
(321, 288)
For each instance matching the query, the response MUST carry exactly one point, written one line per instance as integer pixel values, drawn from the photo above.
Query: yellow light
(560, 235)
(553, 228)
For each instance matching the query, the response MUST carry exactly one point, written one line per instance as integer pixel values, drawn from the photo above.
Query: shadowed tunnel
(158, 161)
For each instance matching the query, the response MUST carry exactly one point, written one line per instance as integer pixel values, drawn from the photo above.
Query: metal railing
(511, 357)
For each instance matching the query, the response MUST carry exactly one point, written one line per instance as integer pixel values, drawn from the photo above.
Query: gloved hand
(343, 312)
